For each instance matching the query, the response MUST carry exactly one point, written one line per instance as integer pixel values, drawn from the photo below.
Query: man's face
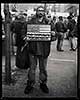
(49, 18)
(40, 12)
(29, 17)
(54, 19)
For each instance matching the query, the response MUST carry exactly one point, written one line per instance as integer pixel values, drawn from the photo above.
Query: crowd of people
(64, 28)
(39, 51)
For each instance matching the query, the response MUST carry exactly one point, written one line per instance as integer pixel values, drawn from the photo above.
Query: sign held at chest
(36, 32)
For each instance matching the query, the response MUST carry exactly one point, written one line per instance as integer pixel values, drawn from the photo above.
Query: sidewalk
(19, 82)
(62, 77)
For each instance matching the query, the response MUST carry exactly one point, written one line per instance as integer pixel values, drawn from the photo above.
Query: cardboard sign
(37, 32)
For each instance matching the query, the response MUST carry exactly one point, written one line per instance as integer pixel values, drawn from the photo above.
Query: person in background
(60, 29)
(71, 29)
(16, 28)
(3, 22)
(32, 15)
(48, 19)
(65, 25)
(53, 28)
(25, 16)
(54, 19)
(53, 22)
(29, 18)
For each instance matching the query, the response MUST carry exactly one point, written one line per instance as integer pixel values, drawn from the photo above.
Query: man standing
(38, 51)
(53, 22)
(16, 27)
(71, 27)
(60, 33)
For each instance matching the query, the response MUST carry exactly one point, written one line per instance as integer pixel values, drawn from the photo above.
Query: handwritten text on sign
(37, 32)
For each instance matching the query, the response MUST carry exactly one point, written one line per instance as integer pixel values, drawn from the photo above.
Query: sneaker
(44, 88)
(72, 49)
(28, 88)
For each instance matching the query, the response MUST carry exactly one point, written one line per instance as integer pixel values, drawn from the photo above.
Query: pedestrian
(49, 19)
(66, 32)
(72, 28)
(38, 51)
(53, 29)
(29, 18)
(16, 28)
(60, 29)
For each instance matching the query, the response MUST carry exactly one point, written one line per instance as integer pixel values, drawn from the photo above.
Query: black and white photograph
(40, 50)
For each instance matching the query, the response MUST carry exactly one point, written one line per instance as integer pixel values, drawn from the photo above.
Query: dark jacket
(41, 48)
(75, 31)
(71, 26)
(17, 28)
(53, 28)
(60, 27)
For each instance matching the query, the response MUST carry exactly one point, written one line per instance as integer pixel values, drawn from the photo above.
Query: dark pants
(42, 68)
(60, 38)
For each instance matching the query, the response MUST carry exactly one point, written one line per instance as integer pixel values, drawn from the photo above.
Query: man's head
(60, 18)
(48, 18)
(71, 14)
(29, 18)
(40, 12)
(25, 16)
(54, 18)
(69, 18)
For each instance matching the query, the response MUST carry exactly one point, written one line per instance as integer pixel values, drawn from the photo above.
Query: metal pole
(7, 41)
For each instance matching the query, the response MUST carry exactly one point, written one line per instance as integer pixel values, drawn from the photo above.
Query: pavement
(62, 76)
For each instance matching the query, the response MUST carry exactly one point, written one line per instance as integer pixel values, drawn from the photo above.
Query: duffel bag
(22, 58)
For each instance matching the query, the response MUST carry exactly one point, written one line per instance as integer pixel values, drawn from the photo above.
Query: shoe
(72, 49)
(28, 89)
(44, 88)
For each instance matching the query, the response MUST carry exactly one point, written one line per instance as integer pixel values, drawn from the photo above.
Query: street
(62, 76)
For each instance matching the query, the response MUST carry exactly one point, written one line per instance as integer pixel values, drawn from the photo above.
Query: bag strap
(22, 48)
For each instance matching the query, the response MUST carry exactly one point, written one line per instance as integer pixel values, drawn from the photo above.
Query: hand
(68, 30)
(53, 36)
(53, 33)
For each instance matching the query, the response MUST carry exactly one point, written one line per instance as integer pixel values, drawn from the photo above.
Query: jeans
(73, 42)
(42, 67)
(60, 41)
